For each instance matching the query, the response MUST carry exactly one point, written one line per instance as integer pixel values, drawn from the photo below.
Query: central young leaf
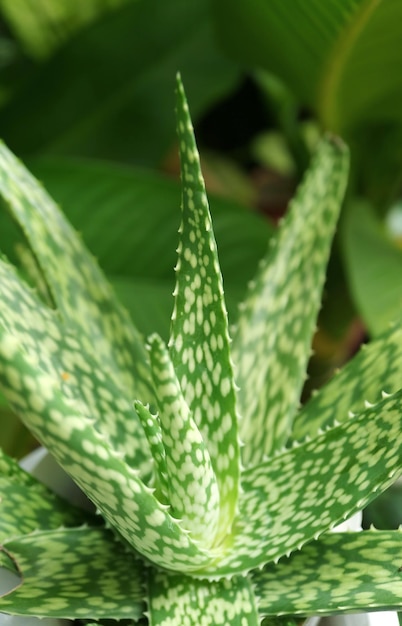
(199, 342)
(192, 488)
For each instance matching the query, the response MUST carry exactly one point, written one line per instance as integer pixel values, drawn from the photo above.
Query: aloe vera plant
(214, 489)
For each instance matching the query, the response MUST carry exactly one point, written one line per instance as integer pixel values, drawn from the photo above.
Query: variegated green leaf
(65, 427)
(303, 492)
(76, 285)
(192, 486)
(177, 600)
(7, 564)
(62, 354)
(77, 400)
(272, 340)
(153, 433)
(376, 370)
(27, 505)
(74, 404)
(25, 509)
(9, 468)
(77, 573)
(340, 572)
(199, 342)
(87, 316)
(30, 268)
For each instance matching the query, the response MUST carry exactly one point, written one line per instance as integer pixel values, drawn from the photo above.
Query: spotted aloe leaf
(77, 404)
(66, 427)
(153, 432)
(342, 571)
(301, 493)
(41, 543)
(75, 573)
(10, 469)
(26, 505)
(88, 314)
(374, 373)
(80, 411)
(60, 352)
(84, 299)
(272, 341)
(199, 342)
(179, 600)
(204, 527)
(192, 488)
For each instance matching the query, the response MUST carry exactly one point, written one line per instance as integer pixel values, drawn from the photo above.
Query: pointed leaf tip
(272, 341)
(199, 343)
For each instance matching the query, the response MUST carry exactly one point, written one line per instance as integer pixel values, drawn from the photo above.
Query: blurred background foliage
(87, 101)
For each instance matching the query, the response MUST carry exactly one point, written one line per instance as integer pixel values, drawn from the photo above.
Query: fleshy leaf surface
(272, 339)
(340, 572)
(77, 573)
(284, 503)
(45, 354)
(153, 433)
(303, 492)
(64, 355)
(27, 505)
(84, 299)
(199, 343)
(375, 371)
(67, 429)
(192, 486)
(41, 358)
(177, 600)
(9, 468)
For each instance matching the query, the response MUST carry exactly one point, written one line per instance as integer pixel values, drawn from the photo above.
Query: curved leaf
(192, 486)
(109, 101)
(177, 600)
(26, 505)
(74, 367)
(64, 424)
(84, 299)
(339, 573)
(374, 372)
(40, 357)
(342, 58)
(199, 341)
(272, 338)
(299, 494)
(78, 573)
